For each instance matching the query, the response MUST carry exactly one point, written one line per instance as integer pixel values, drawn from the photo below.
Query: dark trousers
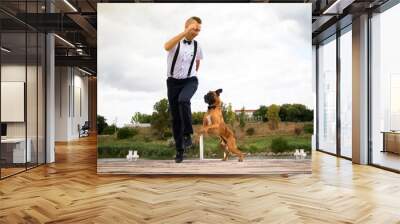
(180, 91)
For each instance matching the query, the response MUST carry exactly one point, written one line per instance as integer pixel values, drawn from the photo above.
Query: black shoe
(179, 156)
(187, 142)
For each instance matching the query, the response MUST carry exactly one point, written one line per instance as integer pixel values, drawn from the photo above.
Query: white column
(50, 98)
(50, 110)
(63, 99)
(360, 90)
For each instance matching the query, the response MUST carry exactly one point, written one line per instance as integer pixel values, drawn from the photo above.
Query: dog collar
(213, 106)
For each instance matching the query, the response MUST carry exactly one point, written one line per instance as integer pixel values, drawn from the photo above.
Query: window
(346, 93)
(385, 89)
(327, 96)
(22, 77)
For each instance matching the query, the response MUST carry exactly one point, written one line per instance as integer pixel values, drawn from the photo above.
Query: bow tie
(187, 42)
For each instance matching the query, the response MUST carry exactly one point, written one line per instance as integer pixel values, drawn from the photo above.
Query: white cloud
(258, 53)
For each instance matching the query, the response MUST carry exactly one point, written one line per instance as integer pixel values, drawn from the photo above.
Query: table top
(13, 140)
(391, 132)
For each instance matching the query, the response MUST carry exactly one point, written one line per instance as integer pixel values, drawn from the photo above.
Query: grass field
(148, 147)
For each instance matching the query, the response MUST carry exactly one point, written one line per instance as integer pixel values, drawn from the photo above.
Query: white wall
(61, 103)
(71, 94)
(12, 73)
(33, 126)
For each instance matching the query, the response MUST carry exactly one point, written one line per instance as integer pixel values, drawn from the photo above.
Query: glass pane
(386, 89)
(13, 86)
(41, 98)
(327, 96)
(346, 94)
(31, 99)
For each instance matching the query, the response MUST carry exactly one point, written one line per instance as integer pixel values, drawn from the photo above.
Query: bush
(167, 134)
(171, 142)
(109, 130)
(147, 139)
(250, 131)
(298, 130)
(306, 147)
(309, 128)
(248, 148)
(279, 145)
(145, 150)
(126, 132)
(253, 149)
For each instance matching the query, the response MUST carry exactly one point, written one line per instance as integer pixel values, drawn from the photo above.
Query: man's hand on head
(191, 28)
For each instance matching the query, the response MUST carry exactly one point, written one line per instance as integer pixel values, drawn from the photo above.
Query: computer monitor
(3, 129)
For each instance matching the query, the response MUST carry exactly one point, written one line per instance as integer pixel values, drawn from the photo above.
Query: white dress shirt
(183, 60)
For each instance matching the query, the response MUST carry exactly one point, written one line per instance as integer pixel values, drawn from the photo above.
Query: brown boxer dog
(213, 123)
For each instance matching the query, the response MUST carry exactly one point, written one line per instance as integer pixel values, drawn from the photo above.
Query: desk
(391, 141)
(13, 150)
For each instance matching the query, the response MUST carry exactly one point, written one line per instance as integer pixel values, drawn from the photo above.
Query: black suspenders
(194, 56)
(174, 60)
(176, 56)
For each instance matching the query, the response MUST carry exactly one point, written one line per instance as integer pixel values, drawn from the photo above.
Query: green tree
(303, 113)
(197, 117)
(295, 113)
(273, 116)
(141, 118)
(161, 118)
(135, 118)
(242, 118)
(101, 124)
(262, 113)
(283, 112)
(110, 130)
(309, 115)
(228, 114)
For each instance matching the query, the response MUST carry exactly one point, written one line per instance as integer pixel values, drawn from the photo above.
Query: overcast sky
(257, 53)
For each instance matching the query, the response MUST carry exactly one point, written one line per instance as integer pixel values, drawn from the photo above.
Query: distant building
(249, 115)
(138, 125)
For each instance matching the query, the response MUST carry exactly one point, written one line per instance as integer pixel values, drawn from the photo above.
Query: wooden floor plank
(71, 191)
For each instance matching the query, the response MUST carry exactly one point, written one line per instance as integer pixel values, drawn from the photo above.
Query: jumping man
(183, 54)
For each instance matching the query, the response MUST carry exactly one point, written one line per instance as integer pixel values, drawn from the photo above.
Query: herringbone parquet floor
(70, 191)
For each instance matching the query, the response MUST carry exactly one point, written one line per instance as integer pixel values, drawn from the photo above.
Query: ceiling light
(86, 72)
(70, 5)
(64, 40)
